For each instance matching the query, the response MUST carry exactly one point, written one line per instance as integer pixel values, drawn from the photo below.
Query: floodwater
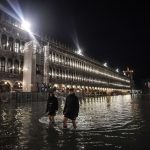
(117, 122)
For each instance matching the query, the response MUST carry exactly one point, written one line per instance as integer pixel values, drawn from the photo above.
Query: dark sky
(114, 31)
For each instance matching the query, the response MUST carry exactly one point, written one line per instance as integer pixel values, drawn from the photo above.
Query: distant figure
(52, 106)
(71, 108)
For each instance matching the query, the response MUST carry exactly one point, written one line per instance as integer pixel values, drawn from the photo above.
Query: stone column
(14, 44)
(46, 64)
(6, 62)
(13, 65)
(19, 66)
(29, 68)
(0, 40)
(7, 44)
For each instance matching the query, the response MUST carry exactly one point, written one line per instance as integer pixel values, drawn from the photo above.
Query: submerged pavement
(110, 122)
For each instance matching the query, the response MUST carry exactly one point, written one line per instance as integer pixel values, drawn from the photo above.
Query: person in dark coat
(52, 106)
(71, 109)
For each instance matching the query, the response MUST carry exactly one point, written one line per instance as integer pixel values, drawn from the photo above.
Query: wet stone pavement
(116, 122)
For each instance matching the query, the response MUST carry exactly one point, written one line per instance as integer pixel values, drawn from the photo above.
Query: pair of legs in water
(73, 122)
(52, 115)
(52, 120)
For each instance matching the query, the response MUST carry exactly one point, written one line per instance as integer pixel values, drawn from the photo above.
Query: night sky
(116, 32)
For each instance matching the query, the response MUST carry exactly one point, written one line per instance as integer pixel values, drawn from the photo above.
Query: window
(22, 47)
(2, 64)
(9, 65)
(38, 69)
(10, 44)
(4, 41)
(16, 67)
(17, 46)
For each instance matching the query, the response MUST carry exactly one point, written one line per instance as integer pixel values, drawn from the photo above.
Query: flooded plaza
(116, 122)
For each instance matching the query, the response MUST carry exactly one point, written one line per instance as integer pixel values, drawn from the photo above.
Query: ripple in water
(118, 122)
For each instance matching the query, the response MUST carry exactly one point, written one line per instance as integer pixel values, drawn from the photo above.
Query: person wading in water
(71, 109)
(52, 106)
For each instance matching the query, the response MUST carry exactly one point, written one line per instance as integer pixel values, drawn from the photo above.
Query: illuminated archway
(17, 86)
(5, 86)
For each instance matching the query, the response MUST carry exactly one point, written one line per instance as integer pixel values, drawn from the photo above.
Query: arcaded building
(29, 62)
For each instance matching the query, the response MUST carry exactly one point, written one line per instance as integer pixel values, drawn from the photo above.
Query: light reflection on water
(117, 122)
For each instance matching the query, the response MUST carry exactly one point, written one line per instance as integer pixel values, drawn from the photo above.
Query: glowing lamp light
(105, 64)
(124, 73)
(79, 52)
(117, 70)
(26, 25)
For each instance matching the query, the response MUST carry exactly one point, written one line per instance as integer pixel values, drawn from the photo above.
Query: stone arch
(17, 86)
(10, 65)
(2, 64)
(4, 41)
(22, 44)
(16, 66)
(5, 86)
(10, 44)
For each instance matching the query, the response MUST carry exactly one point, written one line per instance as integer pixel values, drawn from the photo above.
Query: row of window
(74, 63)
(73, 76)
(10, 66)
(11, 44)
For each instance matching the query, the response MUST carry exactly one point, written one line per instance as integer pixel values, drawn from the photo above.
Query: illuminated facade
(52, 63)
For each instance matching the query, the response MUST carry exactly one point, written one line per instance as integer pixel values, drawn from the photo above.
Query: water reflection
(111, 122)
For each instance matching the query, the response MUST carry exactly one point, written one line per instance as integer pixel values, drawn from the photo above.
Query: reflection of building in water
(28, 64)
(108, 99)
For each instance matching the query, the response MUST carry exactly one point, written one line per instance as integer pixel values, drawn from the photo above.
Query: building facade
(28, 64)
(146, 86)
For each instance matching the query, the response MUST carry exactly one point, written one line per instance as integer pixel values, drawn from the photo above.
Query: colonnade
(11, 44)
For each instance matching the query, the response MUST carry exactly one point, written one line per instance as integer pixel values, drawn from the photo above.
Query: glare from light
(76, 41)
(7, 11)
(79, 52)
(117, 70)
(26, 25)
(105, 64)
(16, 7)
(124, 73)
